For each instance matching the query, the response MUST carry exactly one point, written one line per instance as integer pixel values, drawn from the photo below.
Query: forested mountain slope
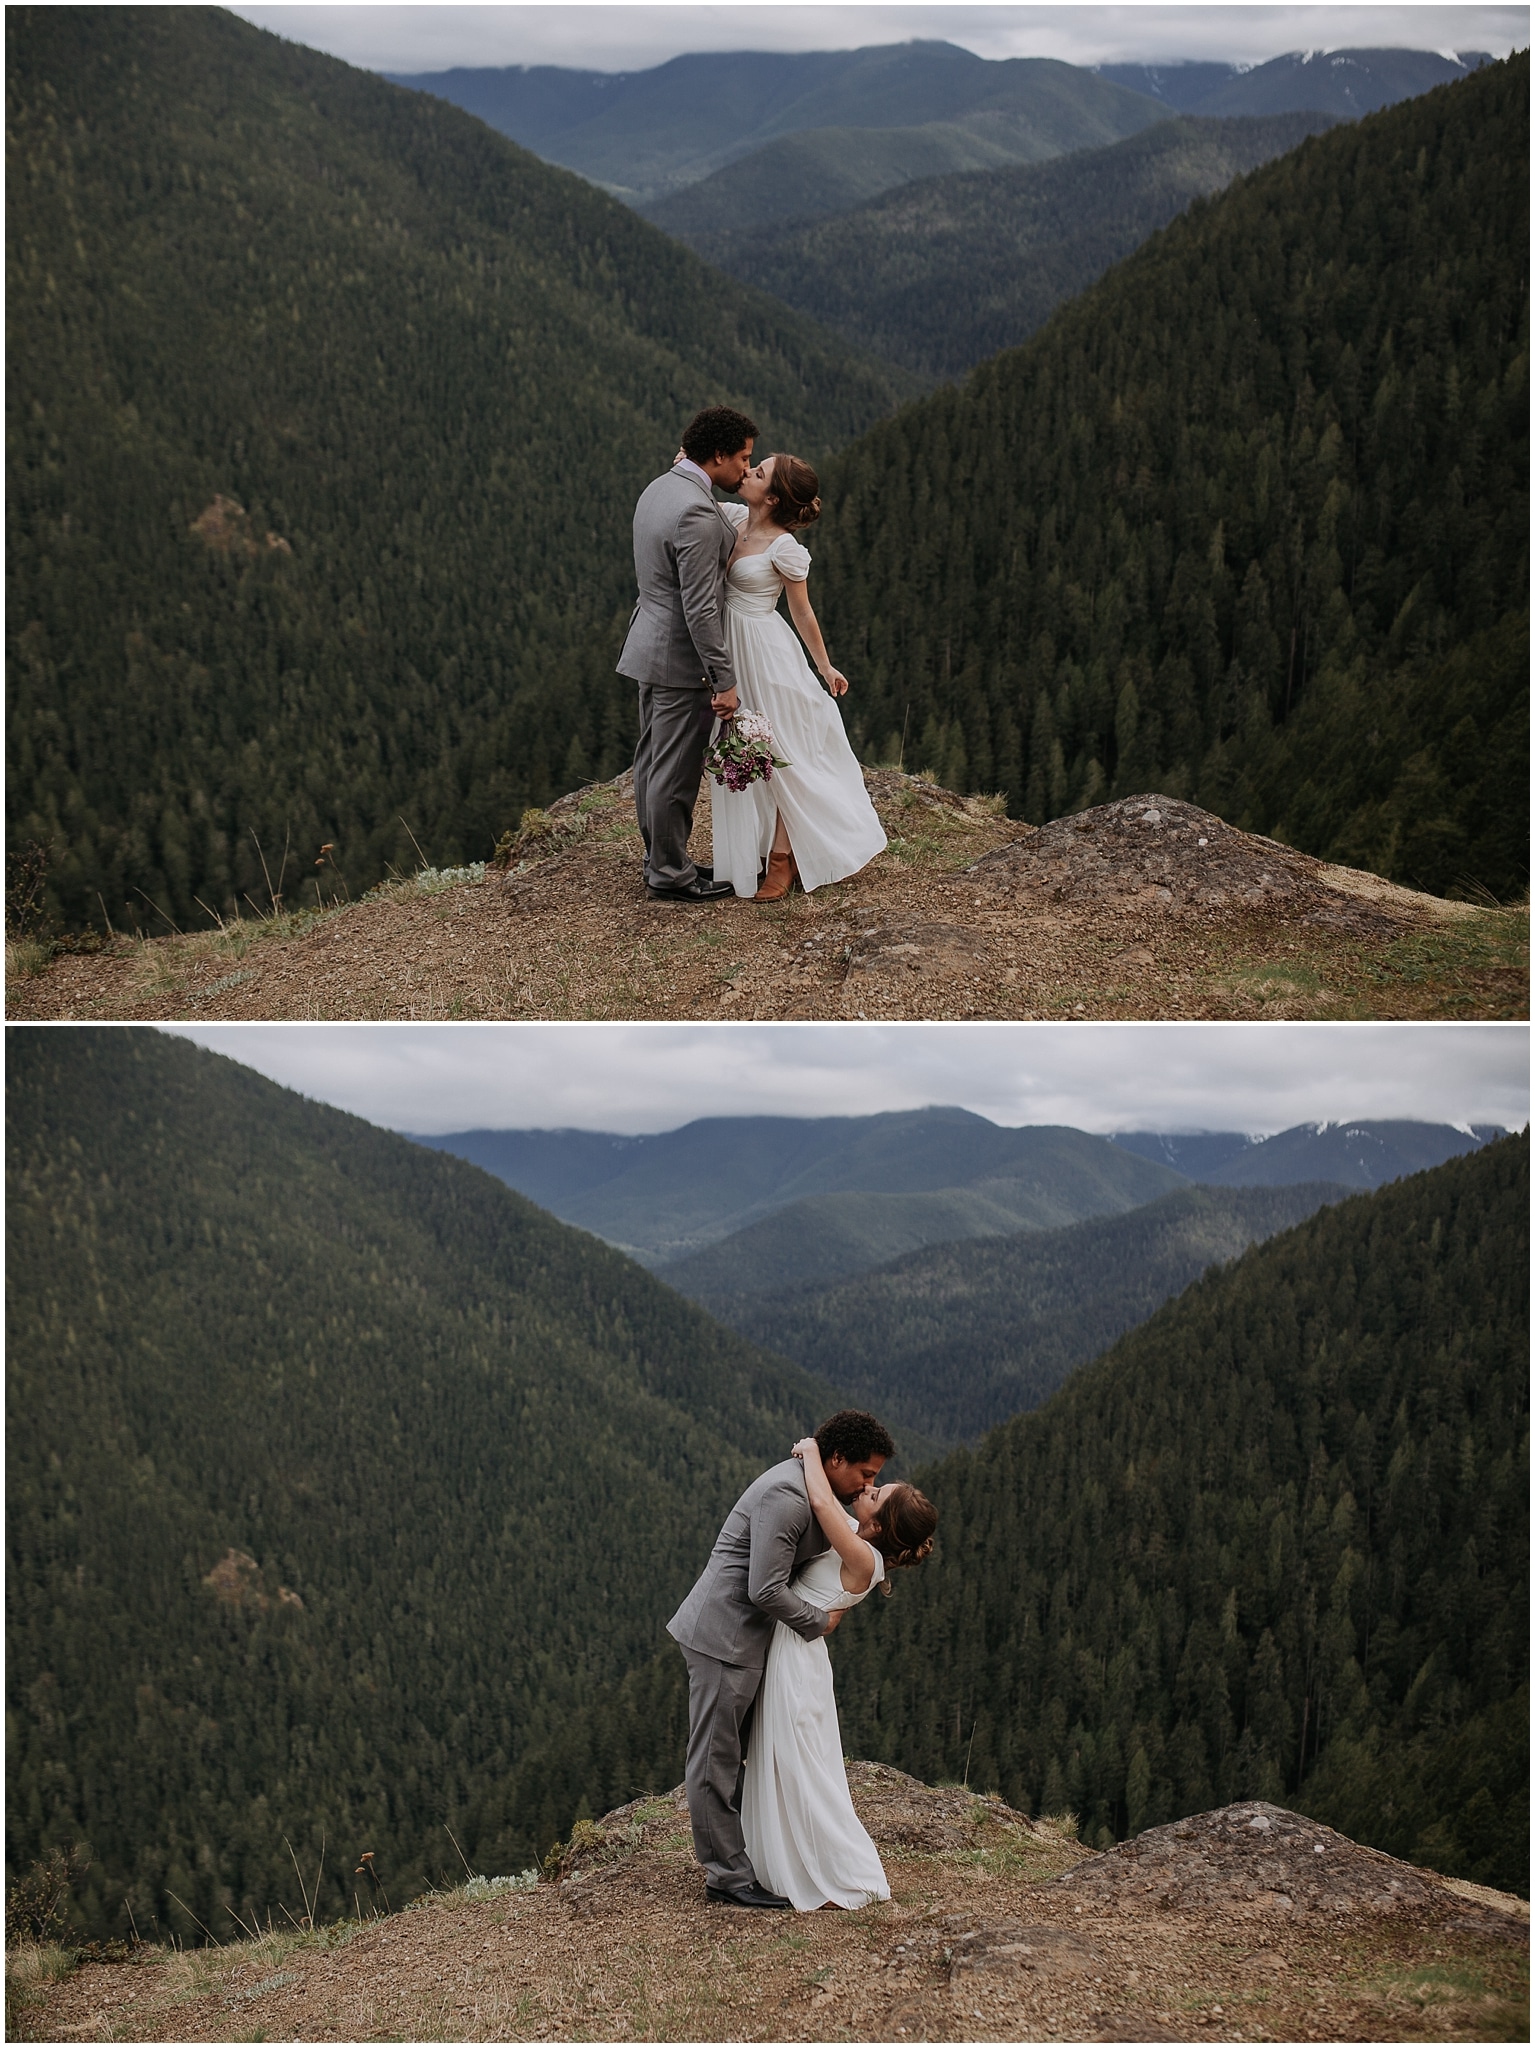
(649, 133)
(950, 269)
(828, 171)
(664, 1196)
(824, 1238)
(338, 1475)
(1245, 523)
(953, 1339)
(328, 408)
(1273, 1544)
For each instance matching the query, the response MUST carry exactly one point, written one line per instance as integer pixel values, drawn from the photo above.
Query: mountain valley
(640, 134)
(1274, 1543)
(348, 1492)
(946, 270)
(338, 1477)
(315, 556)
(1251, 574)
(953, 1339)
(260, 655)
(710, 1189)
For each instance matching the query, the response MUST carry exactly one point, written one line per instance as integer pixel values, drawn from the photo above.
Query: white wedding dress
(832, 825)
(804, 1839)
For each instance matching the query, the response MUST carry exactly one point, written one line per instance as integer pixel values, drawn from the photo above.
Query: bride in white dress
(804, 1839)
(813, 821)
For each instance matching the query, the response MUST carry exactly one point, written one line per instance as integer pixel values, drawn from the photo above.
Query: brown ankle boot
(778, 880)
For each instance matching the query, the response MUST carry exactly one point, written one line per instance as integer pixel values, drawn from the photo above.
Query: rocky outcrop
(1255, 1861)
(1225, 1926)
(1156, 853)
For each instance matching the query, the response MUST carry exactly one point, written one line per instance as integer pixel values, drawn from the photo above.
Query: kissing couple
(773, 1820)
(705, 642)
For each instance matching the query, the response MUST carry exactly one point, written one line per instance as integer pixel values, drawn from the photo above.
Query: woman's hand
(835, 681)
(807, 1450)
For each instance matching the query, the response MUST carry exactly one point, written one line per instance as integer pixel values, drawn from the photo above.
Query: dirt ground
(1249, 1924)
(1142, 908)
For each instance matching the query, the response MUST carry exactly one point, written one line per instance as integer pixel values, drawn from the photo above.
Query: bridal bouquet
(742, 752)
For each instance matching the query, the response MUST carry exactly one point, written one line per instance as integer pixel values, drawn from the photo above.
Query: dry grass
(569, 934)
(975, 1944)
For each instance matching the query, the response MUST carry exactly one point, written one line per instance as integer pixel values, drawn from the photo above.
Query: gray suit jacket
(744, 1589)
(682, 542)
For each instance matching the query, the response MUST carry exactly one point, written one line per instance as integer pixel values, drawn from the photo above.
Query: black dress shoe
(696, 891)
(752, 1894)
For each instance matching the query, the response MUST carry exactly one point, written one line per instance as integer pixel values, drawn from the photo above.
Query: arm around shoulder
(856, 1555)
(777, 1524)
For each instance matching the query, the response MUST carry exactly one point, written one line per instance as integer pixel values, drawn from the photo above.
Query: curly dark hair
(903, 1528)
(717, 430)
(854, 1435)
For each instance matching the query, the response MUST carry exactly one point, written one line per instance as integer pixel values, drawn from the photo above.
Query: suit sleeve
(777, 1523)
(698, 578)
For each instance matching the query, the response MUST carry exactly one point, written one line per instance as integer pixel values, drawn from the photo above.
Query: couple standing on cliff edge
(705, 642)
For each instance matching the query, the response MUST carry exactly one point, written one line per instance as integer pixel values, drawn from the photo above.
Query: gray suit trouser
(675, 722)
(720, 1702)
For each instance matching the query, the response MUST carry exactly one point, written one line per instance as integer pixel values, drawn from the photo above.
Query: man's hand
(725, 704)
(835, 1620)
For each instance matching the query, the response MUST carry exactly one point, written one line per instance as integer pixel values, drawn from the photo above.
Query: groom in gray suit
(676, 649)
(726, 1623)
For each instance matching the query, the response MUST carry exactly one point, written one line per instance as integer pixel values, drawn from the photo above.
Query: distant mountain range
(841, 1192)
(756, 1204)
(953, 1339)
(828, 129)
(1347, 83)
(942, 272)
(644, 134)
(1356, 1155)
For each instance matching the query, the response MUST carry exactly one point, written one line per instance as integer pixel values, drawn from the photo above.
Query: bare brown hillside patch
(967, 913)
(236, 1579)
(999, 1928)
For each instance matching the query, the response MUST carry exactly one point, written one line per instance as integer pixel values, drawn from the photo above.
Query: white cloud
(604, 37)
(1097, 1077)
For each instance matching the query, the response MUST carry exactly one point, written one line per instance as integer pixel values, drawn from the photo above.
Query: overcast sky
(603, 37)
(433, 1078)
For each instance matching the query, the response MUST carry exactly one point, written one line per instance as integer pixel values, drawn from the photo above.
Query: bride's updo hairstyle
(902, 1530)
(792, 500)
